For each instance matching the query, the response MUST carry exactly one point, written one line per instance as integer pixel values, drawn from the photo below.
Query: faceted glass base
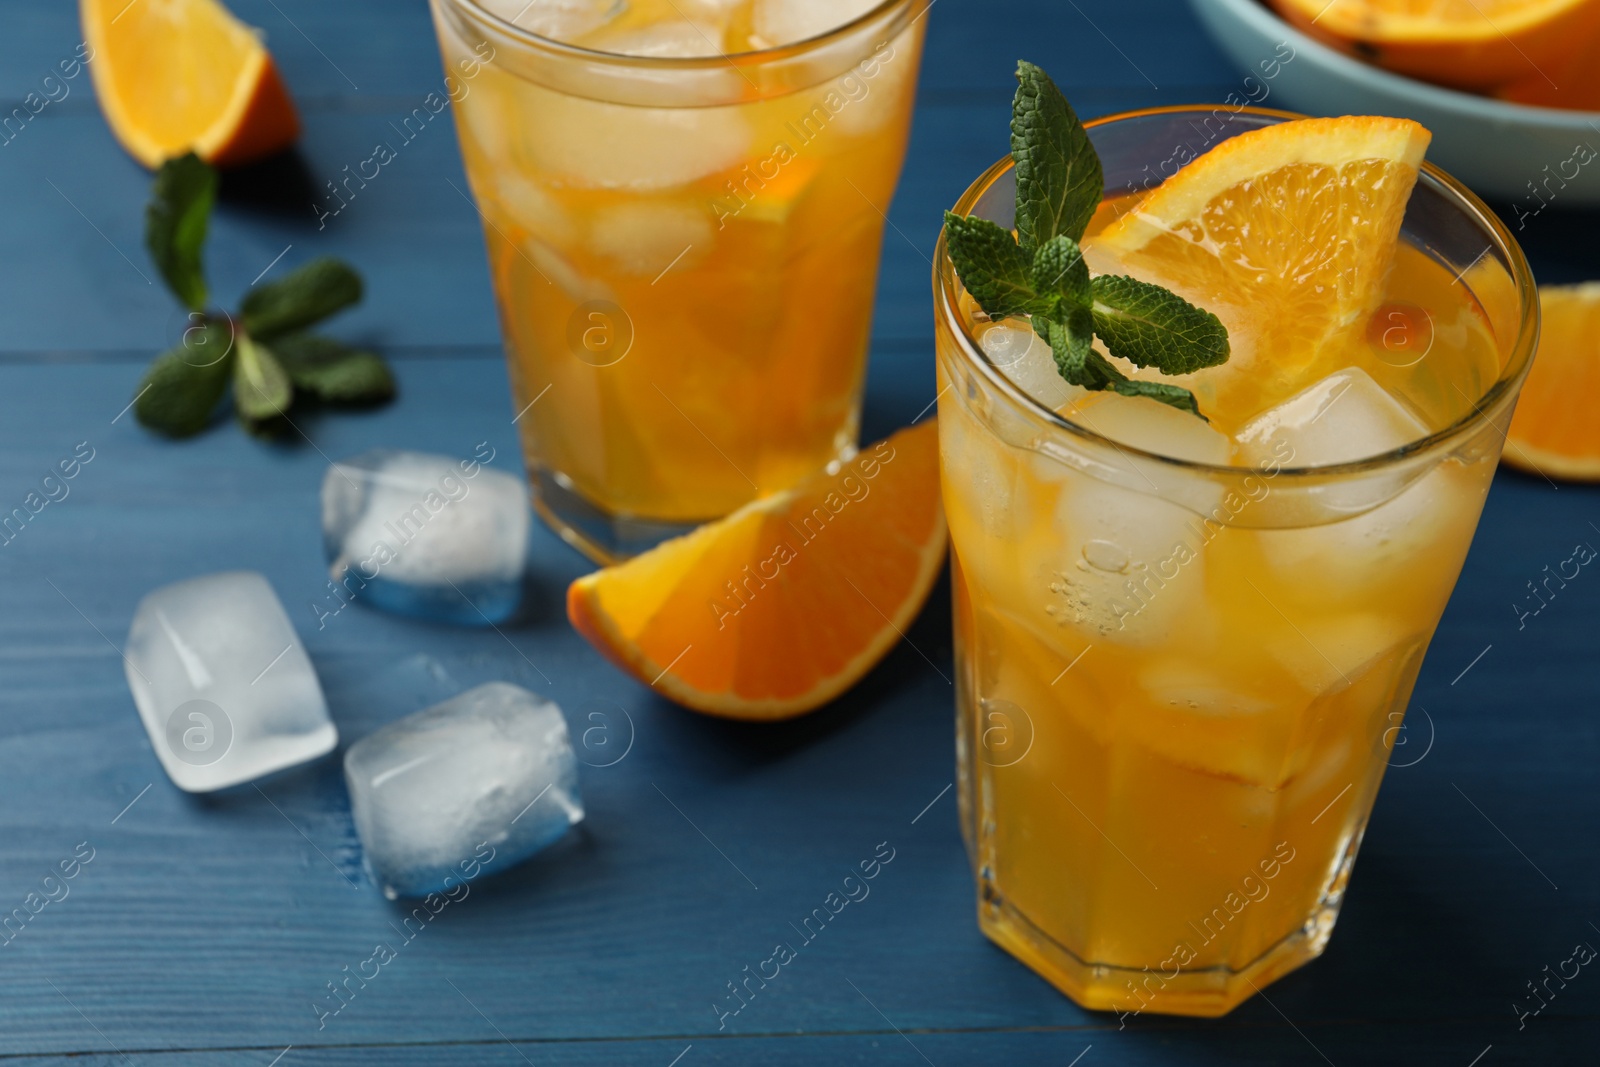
(1207, 992)
(603, 537)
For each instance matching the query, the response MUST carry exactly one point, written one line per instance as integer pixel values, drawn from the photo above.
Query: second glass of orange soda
(684, 202)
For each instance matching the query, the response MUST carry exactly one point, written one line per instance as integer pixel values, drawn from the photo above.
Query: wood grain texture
(205, 930)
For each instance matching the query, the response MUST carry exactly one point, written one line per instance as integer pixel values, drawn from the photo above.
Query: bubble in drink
(222, 684)
(465, 788)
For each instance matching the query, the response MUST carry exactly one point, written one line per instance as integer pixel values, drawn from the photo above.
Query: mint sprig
(175, 225)
(1041, 272)
(263, 350)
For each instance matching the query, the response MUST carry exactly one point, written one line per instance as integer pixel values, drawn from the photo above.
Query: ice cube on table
(1345, 416)
(464, 788)
(222, 683)
(560, 20)
(783, 22)
(1024, 357)
(426, 535)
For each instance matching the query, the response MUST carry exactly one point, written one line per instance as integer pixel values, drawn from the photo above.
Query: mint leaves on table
(263, 351)
(1041, 272)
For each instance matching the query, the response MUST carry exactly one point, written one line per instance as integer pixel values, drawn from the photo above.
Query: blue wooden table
(207, 930)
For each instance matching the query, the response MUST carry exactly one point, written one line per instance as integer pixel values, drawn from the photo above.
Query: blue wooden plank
(214, 924)
(1270, 1046)
(640, 911)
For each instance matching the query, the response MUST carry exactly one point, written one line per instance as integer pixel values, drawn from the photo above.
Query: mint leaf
(1042, 274)
(992, 267)
(1155, 327)
(312, 293)
(180, 391)
(1071, 342)
(175, 225)
(1170, 395)
(261, 388)
(1059, 180)
(333, 371)
(1059, 270)
(1082, 366)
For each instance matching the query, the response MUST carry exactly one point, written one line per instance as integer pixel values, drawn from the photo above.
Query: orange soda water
(686, 292)
(1173, 718)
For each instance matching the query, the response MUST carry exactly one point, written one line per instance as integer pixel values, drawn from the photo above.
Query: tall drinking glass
(1178, 683)
(684, 253)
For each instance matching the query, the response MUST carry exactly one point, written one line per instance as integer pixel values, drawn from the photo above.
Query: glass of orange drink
(1185, 646)
(684, 203)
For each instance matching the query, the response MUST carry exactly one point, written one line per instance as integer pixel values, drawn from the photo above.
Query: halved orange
(786, 603)
(1573, 85)
(1287, 232)
(1469, 44)
(1556, 431)
(176, 75)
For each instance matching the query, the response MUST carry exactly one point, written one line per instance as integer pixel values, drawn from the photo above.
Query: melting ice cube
(1133, 541)
(647, 236)
(673, 39)
(1024, 357)
(781, 22)
(560, 20)
(223, 686)
(1361, 534)
(591, 143)
(467, 787)
(426, 535)
(1152, 427)
(1346, 416)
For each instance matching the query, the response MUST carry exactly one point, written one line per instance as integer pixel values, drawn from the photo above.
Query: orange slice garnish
(1469, 44)
(786, 603)
(180, 75)
(1287, 232)
(1555, 431)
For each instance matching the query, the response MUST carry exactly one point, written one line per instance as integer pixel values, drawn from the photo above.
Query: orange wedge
(1469, 44)
(1555, 431)
(1292, 226)
(176, 75)
(786, 603)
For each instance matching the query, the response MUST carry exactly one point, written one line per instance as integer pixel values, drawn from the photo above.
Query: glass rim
(1466, 201)
(562, 50)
